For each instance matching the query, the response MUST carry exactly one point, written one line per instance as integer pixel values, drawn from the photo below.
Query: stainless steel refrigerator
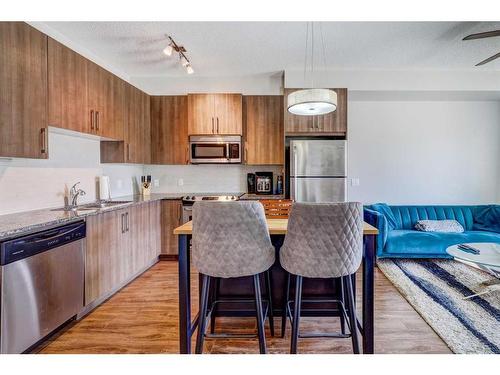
(318, 170)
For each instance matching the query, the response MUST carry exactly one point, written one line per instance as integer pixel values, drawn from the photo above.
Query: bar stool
(323, 241)
(230, 240)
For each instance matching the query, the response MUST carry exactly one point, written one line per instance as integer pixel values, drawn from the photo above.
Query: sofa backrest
(406, 217)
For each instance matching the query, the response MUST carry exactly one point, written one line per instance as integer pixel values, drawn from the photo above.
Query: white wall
(27, 184)
(424, 152)
(204, 178)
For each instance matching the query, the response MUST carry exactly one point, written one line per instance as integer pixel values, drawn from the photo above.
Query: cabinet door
(201, 119)
(103, 260)
(67, 80)
(264, 137)
(145, 127)
(169, 130)
(23, 91)
(96, 95)
(171, 218)
(228, 114)
(144, 232)
(133, 132)
(334, 123)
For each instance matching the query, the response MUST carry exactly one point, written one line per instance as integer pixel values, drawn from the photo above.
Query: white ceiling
(246, 48)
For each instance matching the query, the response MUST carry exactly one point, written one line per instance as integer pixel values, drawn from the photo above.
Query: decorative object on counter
(263, 182)
(104, 188)
(172, 46)
(277, 208)
(251, 183)
(279, 185)
(146, 185)
(312, 101)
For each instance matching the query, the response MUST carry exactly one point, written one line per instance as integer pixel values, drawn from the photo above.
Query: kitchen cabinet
(135, 148)
(264, 132)
(334, 123)
(169, 130)
(67, 88)
(171, 218)
(120, 244)
(215, 114)
(23, 91)
(106, 102)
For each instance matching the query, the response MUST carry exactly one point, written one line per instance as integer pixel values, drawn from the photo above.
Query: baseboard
(92, 305)
(169, 257)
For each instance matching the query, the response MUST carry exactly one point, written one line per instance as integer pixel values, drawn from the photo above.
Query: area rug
(435, 289)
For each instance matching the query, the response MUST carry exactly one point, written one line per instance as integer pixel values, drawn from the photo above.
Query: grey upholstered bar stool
(323, 240)
(231, 239)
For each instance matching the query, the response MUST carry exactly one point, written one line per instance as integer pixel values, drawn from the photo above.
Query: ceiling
(247, 48)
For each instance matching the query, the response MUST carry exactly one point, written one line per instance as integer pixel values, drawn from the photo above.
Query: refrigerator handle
(296, 186)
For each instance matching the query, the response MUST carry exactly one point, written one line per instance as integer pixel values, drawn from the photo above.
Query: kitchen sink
(93, 206)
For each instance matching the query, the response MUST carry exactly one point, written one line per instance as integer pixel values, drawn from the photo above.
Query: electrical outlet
(156, 183)
(180, 182)
(355, 181)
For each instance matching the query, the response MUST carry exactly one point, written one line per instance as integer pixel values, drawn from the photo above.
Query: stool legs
(351, 306)
(342, 298)
(296, 314)
(269, 291)
(260, 314)
(202, 317)
(214, 313)
(284, 315)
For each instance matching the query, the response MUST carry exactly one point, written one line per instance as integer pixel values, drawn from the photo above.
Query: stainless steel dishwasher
(42, 284)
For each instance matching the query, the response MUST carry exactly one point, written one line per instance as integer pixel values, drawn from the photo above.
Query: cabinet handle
(217, 125)
(43, 141)
(91, 119)
(127, 222)
(180, 212)
(128, 151)
(246, 156)
(213, 125)
(97, 120)
(187, 155)
(123, 223)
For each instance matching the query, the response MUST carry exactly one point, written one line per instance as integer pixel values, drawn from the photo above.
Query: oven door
(215, 151)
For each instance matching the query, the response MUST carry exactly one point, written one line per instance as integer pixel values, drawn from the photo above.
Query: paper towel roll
(104, 189)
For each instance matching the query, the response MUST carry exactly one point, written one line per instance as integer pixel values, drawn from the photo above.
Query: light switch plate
(180, 182)
(355, 181)
(156, 183)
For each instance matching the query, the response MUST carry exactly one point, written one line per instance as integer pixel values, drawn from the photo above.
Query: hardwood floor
(143, 318)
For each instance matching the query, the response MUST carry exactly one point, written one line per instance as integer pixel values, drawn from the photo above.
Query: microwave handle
(227, 152)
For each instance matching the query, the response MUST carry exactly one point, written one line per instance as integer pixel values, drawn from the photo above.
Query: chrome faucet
(74, 193)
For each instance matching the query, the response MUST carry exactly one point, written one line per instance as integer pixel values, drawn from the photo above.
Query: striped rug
(435, 288)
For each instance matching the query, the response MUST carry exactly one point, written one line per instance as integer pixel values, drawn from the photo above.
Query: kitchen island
(312, 287)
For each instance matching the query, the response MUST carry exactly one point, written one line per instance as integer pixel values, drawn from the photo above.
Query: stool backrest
(323, 239)
(277, 208)
(231, 239)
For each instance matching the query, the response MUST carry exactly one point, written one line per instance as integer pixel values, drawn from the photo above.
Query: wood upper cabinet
(169, 130)
(219, 114)
(171, 218)
(334, 123)
(106, 102)
(23, 91)
(263, 124)
(137, 138)
(67, 77)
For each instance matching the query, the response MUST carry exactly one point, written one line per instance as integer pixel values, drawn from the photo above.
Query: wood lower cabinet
(215, 114)
(169, 130)
(120, 244)
(67, 77)
(171, 218)
(334, 123)
(23, 91)
(264, 133)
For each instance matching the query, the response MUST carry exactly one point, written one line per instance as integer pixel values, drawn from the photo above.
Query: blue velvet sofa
(398, 238)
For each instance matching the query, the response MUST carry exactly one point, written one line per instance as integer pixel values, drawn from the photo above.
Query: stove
(189, 200)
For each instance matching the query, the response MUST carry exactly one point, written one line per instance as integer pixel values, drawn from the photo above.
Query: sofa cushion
(385, 210)
(487, 218)
(415, 244)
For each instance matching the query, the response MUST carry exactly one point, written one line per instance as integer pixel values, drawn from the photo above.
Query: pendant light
(312, 101)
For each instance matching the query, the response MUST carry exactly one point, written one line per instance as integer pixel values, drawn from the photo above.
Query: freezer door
(318, 190)
(313, 158)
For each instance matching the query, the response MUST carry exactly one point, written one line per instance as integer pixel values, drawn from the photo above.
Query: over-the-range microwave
(215, 149)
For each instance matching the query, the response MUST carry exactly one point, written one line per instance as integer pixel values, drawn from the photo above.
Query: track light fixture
(173, 46)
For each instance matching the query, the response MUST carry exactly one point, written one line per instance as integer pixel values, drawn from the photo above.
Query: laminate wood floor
(143, 318)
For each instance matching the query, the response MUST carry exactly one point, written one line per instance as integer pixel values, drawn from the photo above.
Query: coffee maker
(263, 182)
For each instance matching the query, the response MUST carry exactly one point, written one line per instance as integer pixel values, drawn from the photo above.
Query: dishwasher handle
(26, 246)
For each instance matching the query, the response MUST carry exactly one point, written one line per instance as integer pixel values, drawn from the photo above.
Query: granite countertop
(12, 225)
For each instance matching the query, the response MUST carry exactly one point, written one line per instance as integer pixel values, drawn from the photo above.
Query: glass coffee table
(487, 259)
